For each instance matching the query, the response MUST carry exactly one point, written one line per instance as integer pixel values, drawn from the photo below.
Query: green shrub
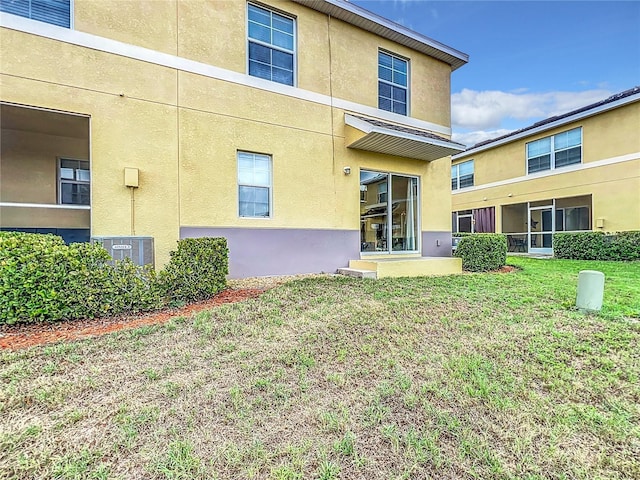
(97, 288)
(597, 246)
(624, 246)
(482, 252)
(197, 270)
(32, 274)
(579, 246)
(41, 278)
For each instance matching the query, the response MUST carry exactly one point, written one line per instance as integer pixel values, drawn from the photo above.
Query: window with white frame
(254, 185)
(555, 151)
(382, 192)
(55, 12)
(271, 45)
(462, 175)
(74, 182)
(393, 83)
(573, 219)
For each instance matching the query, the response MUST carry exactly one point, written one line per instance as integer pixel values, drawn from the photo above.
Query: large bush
(482, 252)
(41, 278)
(98, 287)
(597, 246)
(197, 270)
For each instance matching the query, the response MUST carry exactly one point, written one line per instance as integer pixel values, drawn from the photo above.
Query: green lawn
(472, 376)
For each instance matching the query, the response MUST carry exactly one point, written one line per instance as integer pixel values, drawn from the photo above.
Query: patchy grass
(492, 376)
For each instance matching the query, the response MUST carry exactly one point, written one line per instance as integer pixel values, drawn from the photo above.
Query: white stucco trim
(548, 173)
(45, 205)
(135, 52)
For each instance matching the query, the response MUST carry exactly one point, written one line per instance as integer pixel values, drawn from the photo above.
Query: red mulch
(16, 337)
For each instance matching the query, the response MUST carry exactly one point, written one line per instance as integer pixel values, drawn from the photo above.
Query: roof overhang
(378, 25)
(391, 139)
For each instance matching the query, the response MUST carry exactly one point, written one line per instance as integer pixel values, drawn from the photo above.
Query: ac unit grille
(138, 249)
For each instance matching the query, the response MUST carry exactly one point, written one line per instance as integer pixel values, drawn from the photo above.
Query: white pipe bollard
(590, 290)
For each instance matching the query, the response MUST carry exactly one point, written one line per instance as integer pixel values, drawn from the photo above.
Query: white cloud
(401, 4)
(491, 109)
(471, 138)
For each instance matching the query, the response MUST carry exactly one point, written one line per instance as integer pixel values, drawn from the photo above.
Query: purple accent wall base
(255, 252)
(436, 244)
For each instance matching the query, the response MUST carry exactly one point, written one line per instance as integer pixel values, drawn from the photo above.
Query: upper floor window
(254, 185)
(393, 90)
(74, 188)
(555, 151)
(382, 192)
(462, 175)
(55, 12)
(271, 45)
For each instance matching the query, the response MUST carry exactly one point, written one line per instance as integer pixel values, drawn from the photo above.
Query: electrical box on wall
(138, 249)
(131, 177)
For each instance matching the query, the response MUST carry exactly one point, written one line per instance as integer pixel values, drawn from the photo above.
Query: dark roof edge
(363, 18)
(614, 101)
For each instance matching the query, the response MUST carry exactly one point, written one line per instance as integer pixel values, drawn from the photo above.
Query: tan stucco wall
(146, 23)
(28, 164)
(613, 133)
(615, 188)
(609, 134)
(175, 27)
(43, 217)
(182, 130)
(135, 130)
(355, 51)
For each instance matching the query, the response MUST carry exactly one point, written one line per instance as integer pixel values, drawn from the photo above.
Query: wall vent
(138, 249)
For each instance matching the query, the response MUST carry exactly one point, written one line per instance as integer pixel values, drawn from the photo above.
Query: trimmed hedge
(482, 252)
(597, 245)
(197, 270)
(42, 279)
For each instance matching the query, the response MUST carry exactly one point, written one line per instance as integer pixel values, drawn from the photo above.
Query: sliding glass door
(388, 213)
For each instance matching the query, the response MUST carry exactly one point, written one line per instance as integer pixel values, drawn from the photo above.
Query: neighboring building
(572, 172)
(266, 123)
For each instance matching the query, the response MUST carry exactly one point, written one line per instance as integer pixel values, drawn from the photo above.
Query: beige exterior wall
(183, 130)
(28, 174)
(29, 164)
(21, 217)
(176, 28)
(610, 138)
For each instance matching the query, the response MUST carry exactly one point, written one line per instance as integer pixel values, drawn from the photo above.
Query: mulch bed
(17, 337)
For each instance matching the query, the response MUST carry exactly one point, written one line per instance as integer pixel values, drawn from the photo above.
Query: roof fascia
(385, 28)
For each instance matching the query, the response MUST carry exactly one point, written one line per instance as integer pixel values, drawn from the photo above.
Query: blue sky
(529, 60)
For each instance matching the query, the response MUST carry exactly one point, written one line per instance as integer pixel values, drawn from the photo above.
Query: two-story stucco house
(572, 172)
(308, 133)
